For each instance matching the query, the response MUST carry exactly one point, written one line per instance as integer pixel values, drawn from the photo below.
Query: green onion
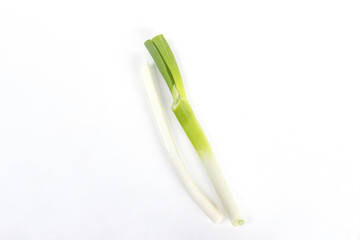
(166, 63)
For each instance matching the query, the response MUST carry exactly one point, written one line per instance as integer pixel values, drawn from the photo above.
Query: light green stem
(197, 137)
(191, 126)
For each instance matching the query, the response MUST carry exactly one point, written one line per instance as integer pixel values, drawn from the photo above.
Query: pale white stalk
(222, 188)
(167, 136)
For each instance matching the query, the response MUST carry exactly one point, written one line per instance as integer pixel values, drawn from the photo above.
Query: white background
(275, 85)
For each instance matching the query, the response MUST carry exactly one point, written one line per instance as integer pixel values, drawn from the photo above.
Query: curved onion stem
(167, 136)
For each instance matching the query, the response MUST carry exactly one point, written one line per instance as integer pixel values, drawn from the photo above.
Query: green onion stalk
(165, 61)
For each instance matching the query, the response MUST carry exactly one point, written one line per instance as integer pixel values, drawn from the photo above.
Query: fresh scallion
(165, 61)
